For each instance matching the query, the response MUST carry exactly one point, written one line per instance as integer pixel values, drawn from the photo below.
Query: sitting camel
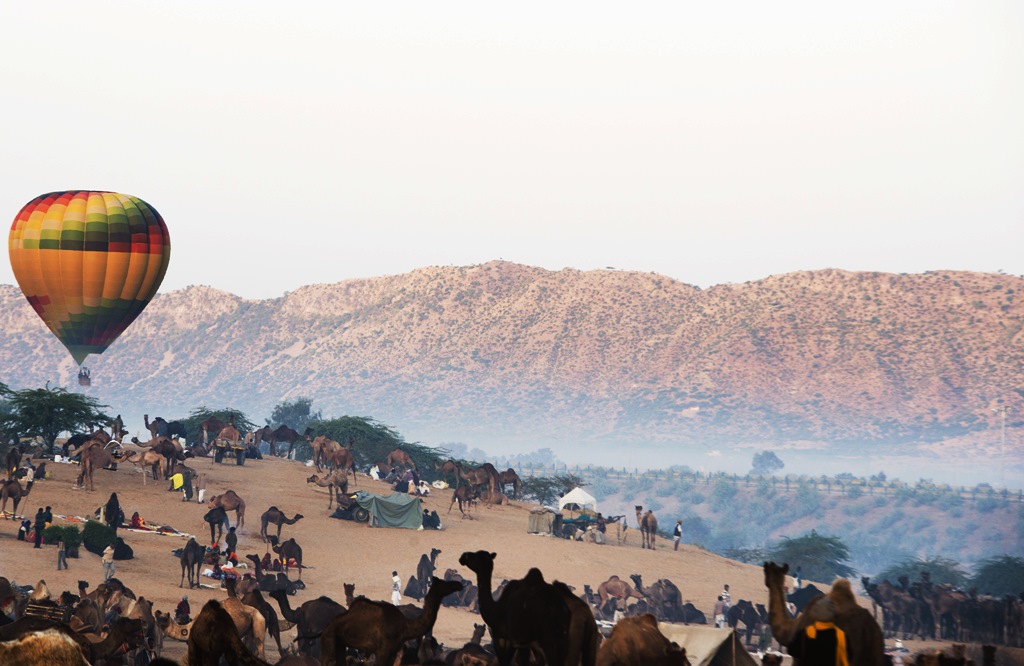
(637, 640)
(379, 628)
(864, 641)
(618, 588)
(277, 517)
(230, 501)
(336, 483)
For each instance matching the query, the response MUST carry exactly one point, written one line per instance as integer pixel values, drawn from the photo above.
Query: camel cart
(222, 446)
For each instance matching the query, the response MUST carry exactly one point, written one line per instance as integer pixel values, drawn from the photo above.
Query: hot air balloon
(88, 263)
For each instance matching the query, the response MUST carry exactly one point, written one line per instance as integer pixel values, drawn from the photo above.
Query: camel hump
(534, 575)
(273, 508)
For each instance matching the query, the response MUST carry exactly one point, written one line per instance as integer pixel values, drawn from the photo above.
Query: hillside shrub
(96, 536)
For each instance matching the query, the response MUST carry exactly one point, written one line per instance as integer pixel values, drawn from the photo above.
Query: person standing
(719, 612)
(62, 562)
(49, 517)
(396, 588)
(727, 598)
(39, 526)
(201, 487)
(108, 563)
(677, 533)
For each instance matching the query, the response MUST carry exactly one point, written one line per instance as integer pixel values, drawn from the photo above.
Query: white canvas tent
(578, 499)
(708, 646)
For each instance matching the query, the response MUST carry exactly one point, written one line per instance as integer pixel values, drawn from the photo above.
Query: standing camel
(380, 628)
(217, 517)
(230, 501)
(336, 483)
(277, 517)
(864, 641)
(648, 527)
(509, 476)
(400, 457)
(12, 490)
(191, 558)
(290, 550)
(446, 468)
(286, 434)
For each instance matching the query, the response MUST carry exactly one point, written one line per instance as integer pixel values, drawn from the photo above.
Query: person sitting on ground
(267, 562)
(177, 481)
(137, 522)
(183, 611)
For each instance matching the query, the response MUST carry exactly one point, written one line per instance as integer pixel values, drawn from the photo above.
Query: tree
(766, 463)
(1000, 576)
(48, 412)
(941, 569)
(823, 558)
(296, 414)
(547, 489)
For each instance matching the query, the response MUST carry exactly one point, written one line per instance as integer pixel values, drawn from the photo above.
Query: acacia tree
(1000, 576)
(822, 558)
(547, 489)
(47, 412)
(296, 414)
(766, 463)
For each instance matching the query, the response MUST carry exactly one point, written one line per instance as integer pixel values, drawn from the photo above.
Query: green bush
(97, 537)
(52, 534)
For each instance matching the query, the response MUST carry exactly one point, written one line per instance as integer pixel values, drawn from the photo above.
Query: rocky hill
(503, 352)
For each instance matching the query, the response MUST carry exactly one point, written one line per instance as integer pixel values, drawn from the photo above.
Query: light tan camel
(863, 635)
(380, 628)
(147, 460)
(648, 527)
(323, 448)
(277, 517)
(342, 460)
(400, 457)
(618, 588)
(51, 647)
(336, 483)
(637, 640)
(230, 501)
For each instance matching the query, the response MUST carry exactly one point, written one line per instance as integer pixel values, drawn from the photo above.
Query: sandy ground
(339, 551)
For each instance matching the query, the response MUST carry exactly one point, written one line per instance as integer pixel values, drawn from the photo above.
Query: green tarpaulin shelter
(395, 510)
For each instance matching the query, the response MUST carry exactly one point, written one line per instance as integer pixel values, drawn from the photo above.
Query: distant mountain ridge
(506, 351)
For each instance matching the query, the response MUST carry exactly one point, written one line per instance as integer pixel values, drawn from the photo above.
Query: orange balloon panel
(88, 262)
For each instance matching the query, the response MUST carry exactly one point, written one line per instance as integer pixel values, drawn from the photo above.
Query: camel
(191, 559)
(664, 596)
(12, 490)
(230, 501)
(509, 476)
(254, 599)
(323, 446)
(217, 517)
(400, 457)
(52, 647)
(379, 628)
(210, 425)
(286, 434)
(648, 527)
(942, 600)
(125, 635)
(271, 582)
(637, 641)
(483, 475)
(463, 495)
(311, 618)
(94, 454)
(425, 568)
(147, 459)
(448, 467)
(529, 613)
(166, 447)
(336, 483)
(247, 622)
(277, 517)
(290, 550)
(210, 637)
(13, 461)
(618, 588)
(159, 426)
(863, 636)
(260, 435)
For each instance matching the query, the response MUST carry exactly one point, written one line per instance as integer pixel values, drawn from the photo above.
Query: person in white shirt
(396, 588)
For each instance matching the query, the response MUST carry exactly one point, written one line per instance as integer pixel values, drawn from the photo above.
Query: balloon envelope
(88, 263)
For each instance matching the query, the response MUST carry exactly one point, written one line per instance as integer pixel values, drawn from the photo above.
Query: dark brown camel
(336, 483)
(13, 461)
(213, 635)
(253, 598)
(13, 491)
(463, 495)
(217, 517)
(863, 635)
(509, 477)
(264, 434)
(379, 628)
(400, 457)
(286, 434)
(529, 613)
(290, 550)
(648, 527)
(484, 475)
(665, 598)
(94, 455)
(271, 582)
(191, 559)
(425, 568)
(311, 618)
(125, 635)
(277, 517)
(230, 501)
(637, 640)
(209, 428)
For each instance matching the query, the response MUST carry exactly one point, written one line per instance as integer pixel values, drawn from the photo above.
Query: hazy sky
(293, 143)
